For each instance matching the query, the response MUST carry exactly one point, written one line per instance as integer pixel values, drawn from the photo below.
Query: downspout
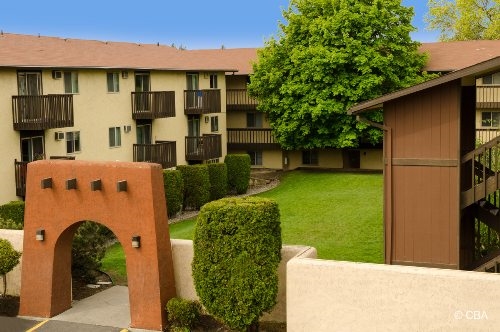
(388, 204)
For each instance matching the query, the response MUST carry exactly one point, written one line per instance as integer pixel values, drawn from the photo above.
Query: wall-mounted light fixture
(136, 241)
(40, 234)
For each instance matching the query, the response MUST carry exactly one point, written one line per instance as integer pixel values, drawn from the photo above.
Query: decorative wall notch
(71, 184)
(96, 185)
(46, 183)
(121, 186)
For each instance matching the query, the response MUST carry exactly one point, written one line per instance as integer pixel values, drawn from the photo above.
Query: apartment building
(98, 100)
(93, 100)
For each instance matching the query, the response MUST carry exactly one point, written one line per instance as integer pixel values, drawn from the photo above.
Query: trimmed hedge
(174, 191)
(196, 185)
(237, 250)
(183, 313)
(218, 180)
(238, 172)
(13, 211)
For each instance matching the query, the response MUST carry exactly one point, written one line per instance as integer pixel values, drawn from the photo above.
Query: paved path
(107, 311)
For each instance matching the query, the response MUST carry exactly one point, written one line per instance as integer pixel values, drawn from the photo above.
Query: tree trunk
(254, 327)
(4, 277)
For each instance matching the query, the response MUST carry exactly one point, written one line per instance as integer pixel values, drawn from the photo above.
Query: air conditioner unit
(127, 129)
(124, 74)
(59, 135)
(56, 74)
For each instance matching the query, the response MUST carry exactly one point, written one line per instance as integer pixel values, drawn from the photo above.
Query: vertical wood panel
(425, 209)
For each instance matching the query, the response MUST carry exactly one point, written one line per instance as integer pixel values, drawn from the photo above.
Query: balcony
(202, 101)
(42, 112)
(239, 100)
(163, 153)
(21, 170)
(203, 148)
(153, 105)
(247, 138)
(488, 97)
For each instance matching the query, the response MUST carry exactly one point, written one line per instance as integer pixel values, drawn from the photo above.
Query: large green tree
(329, 55)
(465, 19)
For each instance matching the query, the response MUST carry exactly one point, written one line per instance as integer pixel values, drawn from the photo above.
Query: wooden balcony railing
(163, 153)
(241, 138)
(202, 101)
(204, 147)
(239, 100)
(488, 97)
(20, 168)
(153, 105)
(42, 112)
(20, 171)
(486, 135)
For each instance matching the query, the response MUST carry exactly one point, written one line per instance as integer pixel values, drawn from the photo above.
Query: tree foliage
(9, 258)
(330, 55)
(465, 19)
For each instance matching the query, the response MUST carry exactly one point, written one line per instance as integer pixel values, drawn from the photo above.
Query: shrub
(9, 258)
(237, 245)
(9, 224)
(14, 211)
(218, 180)
(183, 313)
(174, 191)
(196, 185)
(238, 172)
(89, 247)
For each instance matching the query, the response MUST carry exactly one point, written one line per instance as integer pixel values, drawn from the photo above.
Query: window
(490, 119)
(254, 120)
(72, 141)
(70, 82)
(115, 137)
(144, 134)
(113, 82)
(32, 148)
(213, 81)
(214, 124)
(255, 158)
(310, 157)
(492, 79)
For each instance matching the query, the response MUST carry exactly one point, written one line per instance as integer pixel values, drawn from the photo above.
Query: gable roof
(454, 55)
(41, 52)
(466, 74)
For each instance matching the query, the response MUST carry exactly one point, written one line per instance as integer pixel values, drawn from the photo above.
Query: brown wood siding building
(436, 182)
(425, 175)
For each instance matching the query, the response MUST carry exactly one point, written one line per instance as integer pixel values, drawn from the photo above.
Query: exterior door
(32, 148)
(29, 83)
(142, 84)
(144, 137)
(194, 95)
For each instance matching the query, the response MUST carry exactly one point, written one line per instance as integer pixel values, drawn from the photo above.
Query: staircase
(481, 197)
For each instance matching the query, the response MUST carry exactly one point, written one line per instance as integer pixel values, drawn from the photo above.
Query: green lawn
(114, 264)
(340, 214)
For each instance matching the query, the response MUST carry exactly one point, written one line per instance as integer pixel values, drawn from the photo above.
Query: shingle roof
(32, 51)
(454, 55)
(18, 50)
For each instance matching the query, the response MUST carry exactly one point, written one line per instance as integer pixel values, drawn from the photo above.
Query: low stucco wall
(343, 296)
(13, 277)
(182, 251)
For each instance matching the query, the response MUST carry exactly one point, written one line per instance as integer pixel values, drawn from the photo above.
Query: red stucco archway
(137, 208)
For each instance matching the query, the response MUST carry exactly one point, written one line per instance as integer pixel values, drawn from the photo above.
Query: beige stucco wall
(13, 277)
(342, 296)
(10, 147)
(372, 159)
(327, 158)
(236, 81)
(182, 252)
(238, 119)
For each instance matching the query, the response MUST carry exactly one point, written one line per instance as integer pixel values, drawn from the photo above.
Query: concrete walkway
(106, 311)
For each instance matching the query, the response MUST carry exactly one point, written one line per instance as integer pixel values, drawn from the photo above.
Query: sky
(195, 24)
